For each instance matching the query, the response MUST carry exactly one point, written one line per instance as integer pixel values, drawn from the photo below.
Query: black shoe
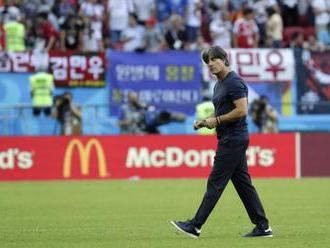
(256, 232)
(187, 227)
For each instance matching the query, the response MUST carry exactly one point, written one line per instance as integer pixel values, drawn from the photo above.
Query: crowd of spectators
(153, 25)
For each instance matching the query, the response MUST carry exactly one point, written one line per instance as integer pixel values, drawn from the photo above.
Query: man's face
(249, 16)
(132, 97)
(132, 21)
(216, 65)
(58, 102)
(264, 101)
(68, 97)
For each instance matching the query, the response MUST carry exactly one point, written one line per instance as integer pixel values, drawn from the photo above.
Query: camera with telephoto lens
(62, 103)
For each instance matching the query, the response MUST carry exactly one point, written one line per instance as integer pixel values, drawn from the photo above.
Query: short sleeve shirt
(246, 31)
(226, 91)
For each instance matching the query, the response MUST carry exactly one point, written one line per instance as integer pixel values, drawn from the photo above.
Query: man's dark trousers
(230, 163)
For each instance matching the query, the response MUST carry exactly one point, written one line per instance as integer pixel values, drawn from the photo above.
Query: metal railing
(18, 120)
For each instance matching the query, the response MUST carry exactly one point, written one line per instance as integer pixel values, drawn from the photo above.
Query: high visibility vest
(42, 85)
(15, 36)
(205, 110)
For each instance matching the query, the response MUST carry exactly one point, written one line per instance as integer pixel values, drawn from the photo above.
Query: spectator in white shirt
(321, 10)
(92, 39)
(144, 9)
(193, 19)
(274, 28)
(260, 7)
(118, 15)
(93, 11)
(220, 29)
(132, 36)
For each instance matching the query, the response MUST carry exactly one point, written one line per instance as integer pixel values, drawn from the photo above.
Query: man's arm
(51, 43)
(240, 110)
(257, 38)
(76, 111)
(271, 113)
(124, 122)
(62, 40)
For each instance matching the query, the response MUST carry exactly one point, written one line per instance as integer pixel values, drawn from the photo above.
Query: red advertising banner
(119, 157)
(315, 154)
(69, 69)
(272, 155)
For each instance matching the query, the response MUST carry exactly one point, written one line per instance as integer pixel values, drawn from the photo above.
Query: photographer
(139, 118)
(264, 116)
(68, 115)
(131, 115)
(154, 118)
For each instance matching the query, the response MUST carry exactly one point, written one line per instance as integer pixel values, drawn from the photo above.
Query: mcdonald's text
(120, 157)
(14, 157)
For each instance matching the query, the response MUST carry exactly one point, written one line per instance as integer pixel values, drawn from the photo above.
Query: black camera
(65, 102)
(62, 103)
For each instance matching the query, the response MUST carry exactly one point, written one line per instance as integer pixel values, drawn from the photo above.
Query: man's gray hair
(215, 52)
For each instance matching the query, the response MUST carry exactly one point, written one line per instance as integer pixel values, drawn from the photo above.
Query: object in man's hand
(200, 125)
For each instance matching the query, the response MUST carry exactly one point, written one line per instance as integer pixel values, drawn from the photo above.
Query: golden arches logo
(84, 154)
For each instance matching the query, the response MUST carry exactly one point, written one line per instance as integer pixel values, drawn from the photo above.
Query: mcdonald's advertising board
(124, 157)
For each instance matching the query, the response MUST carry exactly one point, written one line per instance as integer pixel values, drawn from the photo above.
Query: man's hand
(211, 122)
(199, 124)
(208, 123)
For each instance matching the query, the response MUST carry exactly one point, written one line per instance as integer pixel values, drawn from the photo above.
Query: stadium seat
(308, 31)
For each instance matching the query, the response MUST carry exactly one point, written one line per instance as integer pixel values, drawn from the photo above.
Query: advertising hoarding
(122, 157)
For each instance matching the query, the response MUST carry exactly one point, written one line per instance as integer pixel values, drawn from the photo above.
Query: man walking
(230, 103)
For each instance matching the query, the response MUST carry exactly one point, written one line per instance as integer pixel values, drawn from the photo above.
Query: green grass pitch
(133, 214)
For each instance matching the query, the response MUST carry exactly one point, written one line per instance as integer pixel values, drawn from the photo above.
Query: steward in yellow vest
(42, 85)
(205, 110)
(15, 36)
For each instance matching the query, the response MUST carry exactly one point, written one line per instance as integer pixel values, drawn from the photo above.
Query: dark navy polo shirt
(226, 91)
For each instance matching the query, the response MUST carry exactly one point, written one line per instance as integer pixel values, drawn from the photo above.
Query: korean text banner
(267, 71)
(168, 80)
(260, 65)
(69, 69)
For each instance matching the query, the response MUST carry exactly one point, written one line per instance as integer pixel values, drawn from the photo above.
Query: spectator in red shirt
(2, 35)
(46, 34)
(246, 32)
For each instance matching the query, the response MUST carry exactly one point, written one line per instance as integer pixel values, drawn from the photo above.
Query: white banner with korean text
(260, 65)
